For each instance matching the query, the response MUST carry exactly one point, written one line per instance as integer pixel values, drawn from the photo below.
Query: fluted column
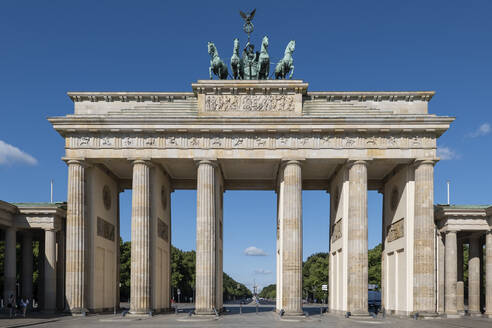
(423, 257)
(474, 276)
(357, 239)
(140, 261)
(488, 274)
(460, 286)
(75, 248)
(451, 274)
(60, 271)
(291, 252)
(49, 271)
(10, 265)
(27, 265)
(206, 238)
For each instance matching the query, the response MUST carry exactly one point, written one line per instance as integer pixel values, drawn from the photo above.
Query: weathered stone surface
(451, 274)
(291, 247)
(357, 239)
(140, 253)
(76, 236)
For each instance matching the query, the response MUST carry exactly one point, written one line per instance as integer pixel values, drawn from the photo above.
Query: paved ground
(265, 318)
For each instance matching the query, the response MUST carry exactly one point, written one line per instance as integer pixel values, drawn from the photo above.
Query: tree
(269, 292)
(315, 275)
(125, 267)
(374, 269)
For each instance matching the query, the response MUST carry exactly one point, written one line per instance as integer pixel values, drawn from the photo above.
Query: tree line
(315, 274)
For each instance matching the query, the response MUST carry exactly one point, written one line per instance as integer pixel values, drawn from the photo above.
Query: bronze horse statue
(264, 60)
(236, 61)
(286, 64)
(217, 66)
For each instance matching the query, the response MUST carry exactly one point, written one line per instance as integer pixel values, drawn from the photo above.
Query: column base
(475, 314)
(139, 314)
(487, 315)
(453, 315)
(425, 315)
(78, 312)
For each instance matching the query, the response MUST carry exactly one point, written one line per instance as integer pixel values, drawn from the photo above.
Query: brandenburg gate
(250, 135)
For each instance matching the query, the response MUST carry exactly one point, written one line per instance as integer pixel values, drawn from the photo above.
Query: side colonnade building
(24, 224)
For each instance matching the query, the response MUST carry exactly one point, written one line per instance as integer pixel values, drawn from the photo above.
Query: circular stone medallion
(164, 197)
(394, 199)
(107, 197)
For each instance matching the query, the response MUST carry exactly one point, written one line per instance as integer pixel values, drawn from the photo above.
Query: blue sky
(50, 47)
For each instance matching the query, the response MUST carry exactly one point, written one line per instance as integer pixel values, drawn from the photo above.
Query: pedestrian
(11, 305)
(24, 305)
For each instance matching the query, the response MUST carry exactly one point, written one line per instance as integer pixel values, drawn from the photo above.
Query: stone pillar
(441, 249)
(60, 271)
(451, 275)
(291, 252)
(206, 221)
(49, 271)
(488, 274)
(10, 265)
(357, 239)
(27, 265)
(75, 243)
(424, 264)
(140, 260)
(460, 286)
(474, 276)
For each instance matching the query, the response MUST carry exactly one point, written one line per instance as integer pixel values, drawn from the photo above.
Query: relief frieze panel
(337, 231)
(396, 230)
(249, 103)
(209, 140)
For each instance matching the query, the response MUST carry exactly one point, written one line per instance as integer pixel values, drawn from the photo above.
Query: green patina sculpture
(287, 63)
(251, 65)
(217, 66)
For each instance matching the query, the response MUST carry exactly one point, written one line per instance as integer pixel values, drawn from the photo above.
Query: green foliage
(374, 270)
(269, 291)
(234, 290)
(314, 275)
(182, 275)
(125, 267)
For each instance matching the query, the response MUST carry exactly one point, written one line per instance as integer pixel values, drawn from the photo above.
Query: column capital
(425, 161)
(451, 231)
(206, 160)
(141, 160)
(75, 160)
(357, 161)
(287, 161)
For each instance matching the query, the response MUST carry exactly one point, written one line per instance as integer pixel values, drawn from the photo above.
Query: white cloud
(262, 271)
(254, 251)
(482, 130)
(446, 153)
(10, 154)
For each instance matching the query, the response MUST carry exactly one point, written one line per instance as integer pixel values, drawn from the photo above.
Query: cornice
(130, 96)
(361, 96)
(253, 88)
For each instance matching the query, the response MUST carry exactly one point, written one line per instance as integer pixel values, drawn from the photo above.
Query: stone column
(205, 238)
(488, 274)
(75, 243)
(451, 274)
(441, 249)
(291, 252)
(60, 271)
(140, 261)
(357, 239)
(27, 265)
(10, 266)
(49, 271)
(460, 286)
(474, 276)
(423, 258)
